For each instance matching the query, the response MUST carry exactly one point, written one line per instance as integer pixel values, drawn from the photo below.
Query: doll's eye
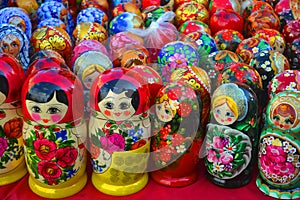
(20, 26)
(288, 121)
(228, 114)
(53, 110)
(218, 112)
(15, 44)
(164, 2)
(159, 107)
(109, 105)
(167, 111)
(4, 46)
(124, 106)
(36, 109)
(276, 118)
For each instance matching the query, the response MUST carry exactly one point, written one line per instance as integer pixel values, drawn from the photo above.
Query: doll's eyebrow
(124, 98)
(54, 105)
(32, 102)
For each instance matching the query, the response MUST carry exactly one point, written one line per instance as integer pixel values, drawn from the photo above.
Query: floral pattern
(279, 159)
(268, 64)
(243, 73)
(288, 80)
(250, 46)
(116, 136)
(10, 147)
(228, 151)
(52, 153)
(204, 42)
(175, 55)
(172, 139)
(191, 11)
(228, 39)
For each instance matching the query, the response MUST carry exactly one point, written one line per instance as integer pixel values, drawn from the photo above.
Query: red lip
(117, 114)
(46, 120)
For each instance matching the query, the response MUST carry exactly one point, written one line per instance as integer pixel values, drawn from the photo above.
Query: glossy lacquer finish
(12, 162)
(54, 132)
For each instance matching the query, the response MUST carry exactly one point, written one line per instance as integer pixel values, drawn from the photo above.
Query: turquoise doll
(279, 144)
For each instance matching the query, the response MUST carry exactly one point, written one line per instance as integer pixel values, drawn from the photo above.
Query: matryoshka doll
(232, 135)
(54, 132)
(279, 148)
(54, 38)
(87, 67)
(119, 129)
(12, 163)
(14, 42)
(176, 139)
(18, 17)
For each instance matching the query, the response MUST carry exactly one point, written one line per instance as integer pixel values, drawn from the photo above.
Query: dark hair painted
(118, 86)
(43, 92)
(3, 84)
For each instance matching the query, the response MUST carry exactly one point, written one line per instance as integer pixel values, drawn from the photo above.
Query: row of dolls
(173, 56)
(279, 33)
(137, 126)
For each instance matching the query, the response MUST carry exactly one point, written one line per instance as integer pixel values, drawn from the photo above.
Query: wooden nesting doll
(18, 17)
(279, 148)
(87, 67)
(54, 132)
(12, 163)
(176, 139)
(119, 129)
(15, 42)
(232, 135)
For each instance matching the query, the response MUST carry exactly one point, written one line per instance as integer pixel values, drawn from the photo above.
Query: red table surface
(202, 189)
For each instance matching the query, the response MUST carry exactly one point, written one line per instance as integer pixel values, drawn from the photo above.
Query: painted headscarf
(14, 74)
(232, 91)
(118, 73)
(23, 55)
(7, 13)
(66, 81)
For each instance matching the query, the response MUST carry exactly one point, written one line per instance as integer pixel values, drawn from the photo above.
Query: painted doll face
(48, 113)
(224, 115)
(283, 122)
(88, 80)
(116, 107)
(164, 111)
(11, 44)
(90, 74)
(19, 22)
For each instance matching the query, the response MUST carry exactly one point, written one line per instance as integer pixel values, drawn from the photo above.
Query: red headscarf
(121, 74)
(65, 80)
(14, 74)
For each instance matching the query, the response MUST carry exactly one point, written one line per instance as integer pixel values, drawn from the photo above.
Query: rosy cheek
(217, 115)
(127, 113)
(276, 123)
(55, 117)
(107, 113)
(286, 126)
(229, 119)
(36, 117)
